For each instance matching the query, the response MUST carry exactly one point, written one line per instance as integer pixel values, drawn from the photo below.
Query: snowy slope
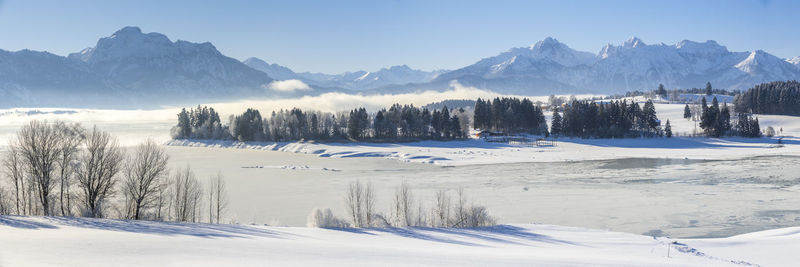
(795, 60)
(51, 241)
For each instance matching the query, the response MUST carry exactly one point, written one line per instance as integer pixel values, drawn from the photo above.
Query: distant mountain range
(549, 67)
(357, 81)
(132, 69)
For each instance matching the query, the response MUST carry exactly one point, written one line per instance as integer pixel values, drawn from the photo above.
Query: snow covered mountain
(131, 68)
(364, 80)
(150, 63)
(358, 80)
(552, 67)
(401, 74)
(795, 60)
(126, 69)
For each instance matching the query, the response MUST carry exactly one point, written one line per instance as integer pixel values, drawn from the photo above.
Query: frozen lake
(587, 183)
(674, 197)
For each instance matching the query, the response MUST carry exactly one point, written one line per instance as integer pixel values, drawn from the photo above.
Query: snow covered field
(45, 241)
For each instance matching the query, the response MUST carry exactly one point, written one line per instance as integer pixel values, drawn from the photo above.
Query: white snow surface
(57, 241)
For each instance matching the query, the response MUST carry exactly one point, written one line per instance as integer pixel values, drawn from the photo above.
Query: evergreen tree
(184, 127)
(724, 120)
(668, 129)
(687, 113)
(649, 115)
(709, 90)
(661, 91)
(555, 124)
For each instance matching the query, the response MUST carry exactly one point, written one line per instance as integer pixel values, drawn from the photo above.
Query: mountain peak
(707, 47)
(403, 67)
(548, 42)
(128, 30)
(794, 60)
(254, 60)
(633, 42)
(759, 59)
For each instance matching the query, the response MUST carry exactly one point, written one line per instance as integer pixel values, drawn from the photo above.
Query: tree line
(61, 169)
(716, 121)
(397, 123)
(613, 119)
(510, 115)
(778, 98)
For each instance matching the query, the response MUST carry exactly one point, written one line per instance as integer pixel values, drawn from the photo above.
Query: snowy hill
(552, 67)
(56, 241)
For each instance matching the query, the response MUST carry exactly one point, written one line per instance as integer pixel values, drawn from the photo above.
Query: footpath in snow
(57, 241)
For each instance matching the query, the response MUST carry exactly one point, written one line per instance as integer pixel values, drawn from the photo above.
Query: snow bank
(51, 241)
(474, 151)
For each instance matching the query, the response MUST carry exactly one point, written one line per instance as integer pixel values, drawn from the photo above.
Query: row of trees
(715, 120)
(674, 95)
(510, 115)
(399, 122)
(405, 210)
(60, 169)
(780, 98)
(614, 119)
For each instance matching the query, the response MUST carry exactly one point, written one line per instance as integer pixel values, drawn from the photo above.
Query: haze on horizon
(334, 37)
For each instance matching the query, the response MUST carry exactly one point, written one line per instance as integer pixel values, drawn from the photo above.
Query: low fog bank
(133, 126)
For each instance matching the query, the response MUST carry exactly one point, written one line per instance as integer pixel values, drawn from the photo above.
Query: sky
(338, 36)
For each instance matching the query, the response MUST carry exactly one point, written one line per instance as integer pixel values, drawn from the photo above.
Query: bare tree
(360, 201)
(185, 196)
(5, 206)
(100, 164)
(460, 210)
(38, 148)
(441, 209)
(142, 178)
(13, 169)
(469, 215)
(71, 136)
(369, 204)
(402, 206)
(217, 198)
(354, 201)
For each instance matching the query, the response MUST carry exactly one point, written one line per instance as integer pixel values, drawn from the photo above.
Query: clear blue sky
(337, 36)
